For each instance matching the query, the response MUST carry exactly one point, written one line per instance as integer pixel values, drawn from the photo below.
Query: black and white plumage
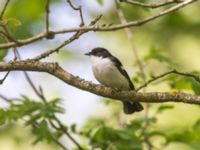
(108, 70)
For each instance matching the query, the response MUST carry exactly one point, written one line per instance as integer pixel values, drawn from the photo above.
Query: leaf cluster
(35, 115)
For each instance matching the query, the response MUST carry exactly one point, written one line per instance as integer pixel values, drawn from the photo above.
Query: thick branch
(55, 70)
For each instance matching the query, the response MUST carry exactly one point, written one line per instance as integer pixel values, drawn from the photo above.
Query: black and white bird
(108, 70)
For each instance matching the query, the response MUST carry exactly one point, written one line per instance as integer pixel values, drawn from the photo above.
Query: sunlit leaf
(12, 21)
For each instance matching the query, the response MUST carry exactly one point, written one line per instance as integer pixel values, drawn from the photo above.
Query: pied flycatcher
(108, 70)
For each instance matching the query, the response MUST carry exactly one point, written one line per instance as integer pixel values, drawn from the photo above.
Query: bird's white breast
(107, 73)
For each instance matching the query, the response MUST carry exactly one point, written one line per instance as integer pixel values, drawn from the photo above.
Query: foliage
(3, 54)
(101, 2)
(130, 136)
(187, 136)
(35, 115)
(159, 55)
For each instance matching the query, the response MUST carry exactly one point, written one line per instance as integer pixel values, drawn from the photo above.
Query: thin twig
(60, 144)
(156, 5)
(34, 87)
(5, 99)
(15, 53)
(9, 100)
(72, 38)
(46, 54)
(101, 27)
(79, 8)
(37, 92)
(196, 78)
(130, 37)
(40, 94)
(4, 9)
(9, 36)
(150, 18)
(4, 78)
(47, 16)
(63, 128)
(131, 40)
(154, 79)
(3, 36)
(35, 125)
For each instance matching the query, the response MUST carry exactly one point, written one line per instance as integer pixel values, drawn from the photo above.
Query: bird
(109, 71)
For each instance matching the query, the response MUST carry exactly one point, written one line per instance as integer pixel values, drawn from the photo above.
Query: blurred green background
(169, 42)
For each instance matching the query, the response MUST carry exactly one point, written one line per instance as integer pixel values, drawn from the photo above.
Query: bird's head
(99, 52)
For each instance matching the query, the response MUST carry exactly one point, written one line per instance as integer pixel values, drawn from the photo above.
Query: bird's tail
(130, 108)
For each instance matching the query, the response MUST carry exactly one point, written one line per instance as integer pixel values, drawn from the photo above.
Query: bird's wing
(118, 64)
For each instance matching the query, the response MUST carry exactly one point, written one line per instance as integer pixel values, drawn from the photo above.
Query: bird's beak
(88, 54)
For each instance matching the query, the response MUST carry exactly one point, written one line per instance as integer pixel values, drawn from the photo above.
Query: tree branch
(196, 78)
(100, 27)
(71, 39)
(55, 70)
(78, 9)
(8, 35)
(156, 5)
(4, 9)
(35, 125)
(47, 16)
(130, 37)
(63, 128)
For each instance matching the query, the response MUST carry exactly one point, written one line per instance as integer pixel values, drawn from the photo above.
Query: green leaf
(196, 126)
(158, 54)
(101, 2)
(41, 131)
(136, 124)
(12, 21)
(180, 82)
(195, 86)
(109, 138)
(73, 128)
(162, 108)
(155, 133)
(3, 116)
(180, 136)
(3, 53)
(187, 136)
